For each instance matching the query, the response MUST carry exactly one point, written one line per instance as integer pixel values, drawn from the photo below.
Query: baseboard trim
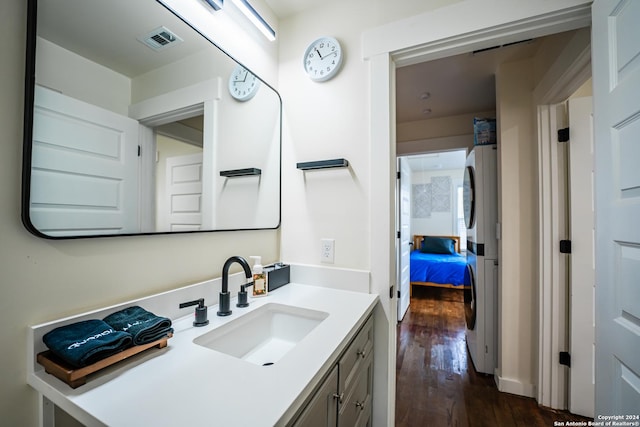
(514, 386)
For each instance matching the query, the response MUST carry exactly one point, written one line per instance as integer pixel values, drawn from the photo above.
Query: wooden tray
(76, 377)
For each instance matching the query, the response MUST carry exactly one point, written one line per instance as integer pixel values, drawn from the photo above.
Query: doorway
(428, 204)
(445, 31)
(526, 389)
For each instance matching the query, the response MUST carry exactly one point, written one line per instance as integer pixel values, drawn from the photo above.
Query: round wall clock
(322, 59)
(242, 84)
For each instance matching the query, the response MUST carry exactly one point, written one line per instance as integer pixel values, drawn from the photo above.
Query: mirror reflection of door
(84, 176)
(182, 198)
(179, 175)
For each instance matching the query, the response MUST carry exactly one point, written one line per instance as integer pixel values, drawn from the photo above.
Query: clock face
(242, 84)
(323, 58)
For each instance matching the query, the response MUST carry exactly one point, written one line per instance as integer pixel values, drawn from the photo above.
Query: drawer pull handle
(361, 353)
(338, 396)
(360, 405)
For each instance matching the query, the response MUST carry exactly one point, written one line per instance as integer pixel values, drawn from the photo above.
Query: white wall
(72, 75)
(43, 280)
(198, 67)
(443, 133)
(440, 223)
(517, 201)
(440, 127)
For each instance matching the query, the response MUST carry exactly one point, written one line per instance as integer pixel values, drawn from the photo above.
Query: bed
(444, 270)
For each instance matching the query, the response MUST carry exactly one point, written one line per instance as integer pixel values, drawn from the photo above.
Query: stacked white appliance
(480, 189)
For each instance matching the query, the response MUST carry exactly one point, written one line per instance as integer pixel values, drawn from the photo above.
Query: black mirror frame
(29, 90)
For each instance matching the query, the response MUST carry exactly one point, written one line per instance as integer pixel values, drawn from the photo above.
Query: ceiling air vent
(161, 38)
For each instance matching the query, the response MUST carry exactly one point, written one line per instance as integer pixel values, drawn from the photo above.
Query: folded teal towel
(144, 326)
(83, 343)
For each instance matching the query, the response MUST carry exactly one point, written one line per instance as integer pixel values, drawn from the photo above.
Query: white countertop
(187, 384)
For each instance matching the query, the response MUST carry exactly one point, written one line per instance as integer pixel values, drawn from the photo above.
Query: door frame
(456, 143)
(200, 98)
(432, 35)
(553, 316)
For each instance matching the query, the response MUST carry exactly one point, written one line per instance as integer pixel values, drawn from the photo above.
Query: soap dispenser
(259, 277)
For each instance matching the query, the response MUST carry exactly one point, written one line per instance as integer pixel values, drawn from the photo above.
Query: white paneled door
(84, 171)
(184, 193)
(616, 109)
(404, 240)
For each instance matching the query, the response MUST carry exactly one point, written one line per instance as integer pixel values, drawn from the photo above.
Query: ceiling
(454, 85)
(108, 32)
(286, 8)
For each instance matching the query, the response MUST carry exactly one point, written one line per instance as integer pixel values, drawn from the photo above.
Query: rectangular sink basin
(264, 335)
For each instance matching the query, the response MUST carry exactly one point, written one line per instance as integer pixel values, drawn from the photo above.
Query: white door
(616, 111)
(184, 193)
(582, 282)
(84, 168)
(404, 241)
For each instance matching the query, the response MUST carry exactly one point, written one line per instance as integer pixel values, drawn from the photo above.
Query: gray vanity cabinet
(344, 397)
(355, 409)
(322, 409)
(355, 379)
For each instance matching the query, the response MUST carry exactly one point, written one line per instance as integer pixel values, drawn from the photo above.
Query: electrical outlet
(327, 250)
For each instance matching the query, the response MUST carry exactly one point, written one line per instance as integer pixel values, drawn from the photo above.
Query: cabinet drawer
(355, 355)
(355, 410)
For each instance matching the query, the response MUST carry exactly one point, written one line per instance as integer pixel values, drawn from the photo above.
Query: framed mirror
(135, 123)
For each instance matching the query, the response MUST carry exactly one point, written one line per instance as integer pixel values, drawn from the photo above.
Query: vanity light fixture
(215, 4)
(257, 20)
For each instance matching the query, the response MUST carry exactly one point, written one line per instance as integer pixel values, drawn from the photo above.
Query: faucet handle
(201, 311)
(242, 295)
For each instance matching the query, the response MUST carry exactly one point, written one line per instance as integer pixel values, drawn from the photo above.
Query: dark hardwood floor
(436, 383)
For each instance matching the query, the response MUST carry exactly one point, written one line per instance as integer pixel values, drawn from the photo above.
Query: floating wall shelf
(241, 172)
(323, 164)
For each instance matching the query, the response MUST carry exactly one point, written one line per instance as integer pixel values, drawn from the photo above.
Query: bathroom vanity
(204, 377)
(344, 397)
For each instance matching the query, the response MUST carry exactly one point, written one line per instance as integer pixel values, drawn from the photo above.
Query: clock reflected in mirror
(323, 59)
(243, 85)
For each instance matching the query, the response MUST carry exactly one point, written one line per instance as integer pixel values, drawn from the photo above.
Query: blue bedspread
(437, 268)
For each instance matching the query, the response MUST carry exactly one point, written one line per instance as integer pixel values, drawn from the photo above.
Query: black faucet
(225, 295)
